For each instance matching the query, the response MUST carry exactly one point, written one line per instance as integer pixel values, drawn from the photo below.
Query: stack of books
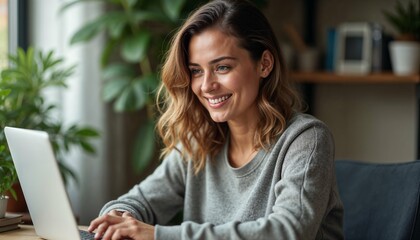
(10, 222)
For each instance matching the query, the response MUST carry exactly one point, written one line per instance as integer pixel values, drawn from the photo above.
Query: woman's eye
(195, 71)
(223, 68)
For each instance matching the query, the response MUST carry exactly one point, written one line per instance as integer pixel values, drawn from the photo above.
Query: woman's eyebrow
(214, 61)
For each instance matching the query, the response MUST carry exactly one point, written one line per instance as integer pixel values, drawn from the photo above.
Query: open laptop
(42, 185)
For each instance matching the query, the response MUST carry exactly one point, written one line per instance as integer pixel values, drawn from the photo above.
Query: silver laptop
(42, 184)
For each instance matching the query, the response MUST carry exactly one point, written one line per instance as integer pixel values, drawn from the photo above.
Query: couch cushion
(381, 201)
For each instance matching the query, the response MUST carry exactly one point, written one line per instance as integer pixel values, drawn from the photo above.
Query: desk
(26, 232)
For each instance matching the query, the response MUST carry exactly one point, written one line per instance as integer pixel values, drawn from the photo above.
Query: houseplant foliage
(8, 174)
(8, 177)
(138, 34)
(31, 73)
(406, 20)
(405, 50)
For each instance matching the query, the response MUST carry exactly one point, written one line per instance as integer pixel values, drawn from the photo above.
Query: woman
(240, 161)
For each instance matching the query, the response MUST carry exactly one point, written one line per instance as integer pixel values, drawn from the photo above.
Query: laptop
(42, 185)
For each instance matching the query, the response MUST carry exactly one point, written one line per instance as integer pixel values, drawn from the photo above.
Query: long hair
(185, 121)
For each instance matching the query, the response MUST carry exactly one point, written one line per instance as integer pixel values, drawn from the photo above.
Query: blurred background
(117, 47)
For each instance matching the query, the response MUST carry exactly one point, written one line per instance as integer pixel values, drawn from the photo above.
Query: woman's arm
(159, 197)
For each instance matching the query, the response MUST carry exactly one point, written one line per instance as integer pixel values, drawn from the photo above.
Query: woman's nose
(209, 82)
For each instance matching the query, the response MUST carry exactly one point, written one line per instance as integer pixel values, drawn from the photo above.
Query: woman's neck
(241, 145)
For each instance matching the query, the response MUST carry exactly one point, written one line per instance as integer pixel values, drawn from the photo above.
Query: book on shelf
(9, 227)
(10, 218)
(10, 222)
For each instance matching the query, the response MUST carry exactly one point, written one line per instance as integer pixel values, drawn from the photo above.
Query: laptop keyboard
(84, 235)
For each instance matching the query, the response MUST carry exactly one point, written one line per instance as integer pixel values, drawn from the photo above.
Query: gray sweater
(287, 192)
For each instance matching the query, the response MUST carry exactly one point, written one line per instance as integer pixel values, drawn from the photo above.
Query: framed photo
(354, 48)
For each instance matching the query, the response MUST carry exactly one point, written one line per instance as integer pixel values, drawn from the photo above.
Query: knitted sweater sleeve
(159, 197)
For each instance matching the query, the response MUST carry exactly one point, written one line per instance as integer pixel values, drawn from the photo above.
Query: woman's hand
(121, 225)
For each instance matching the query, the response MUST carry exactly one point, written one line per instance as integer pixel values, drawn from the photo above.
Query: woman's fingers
(101, 224)
(116, 225)
(127, 214)
(115, 213)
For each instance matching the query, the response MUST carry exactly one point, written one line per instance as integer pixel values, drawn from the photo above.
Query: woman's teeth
(218, 100)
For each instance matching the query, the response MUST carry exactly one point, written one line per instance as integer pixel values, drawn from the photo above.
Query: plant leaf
(118, 70)
(4, 92)
(87, 132)
(108, 51)
(173, 8)
(134, 49)
(150, 82)
(87, 32)
(113, 88)
(141, 16)
(144, 147)
(139, 93)
(125, 101)
(69, 4)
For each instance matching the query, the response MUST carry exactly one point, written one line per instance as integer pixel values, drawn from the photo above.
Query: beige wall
(370, 122)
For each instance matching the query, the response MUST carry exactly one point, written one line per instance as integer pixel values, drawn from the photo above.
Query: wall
(370, 122)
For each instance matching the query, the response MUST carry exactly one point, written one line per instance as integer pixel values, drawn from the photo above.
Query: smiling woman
(241, 161)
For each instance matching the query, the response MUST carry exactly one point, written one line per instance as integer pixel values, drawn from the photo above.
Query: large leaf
(116, 27)
(108, 51)
(132, 97)
(144, 147)
(173, 8)
(71, 3)
(88, 31)
(142, 16)
(150, 83)
(131, 3)
(118, 70)
(125, 101)
(113, 88)
(134, 49)
(4, 92)
(139, 93)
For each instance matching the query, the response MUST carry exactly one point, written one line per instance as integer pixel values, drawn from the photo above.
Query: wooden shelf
(328, 77)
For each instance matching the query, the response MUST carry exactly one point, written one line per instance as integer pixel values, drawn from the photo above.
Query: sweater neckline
(246, 169)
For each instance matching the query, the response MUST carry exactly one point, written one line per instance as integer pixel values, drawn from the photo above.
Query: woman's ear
(266, 64)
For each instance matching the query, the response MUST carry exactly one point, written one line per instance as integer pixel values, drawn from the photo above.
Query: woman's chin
(218, 118)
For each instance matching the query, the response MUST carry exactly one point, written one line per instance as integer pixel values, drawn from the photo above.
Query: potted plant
(30, 73)
(7, 178)
(7, 172)
(405, 49)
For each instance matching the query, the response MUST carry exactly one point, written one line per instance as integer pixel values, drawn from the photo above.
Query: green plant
(8, 174)
(405, 19)
(138, 33)
(31, 73)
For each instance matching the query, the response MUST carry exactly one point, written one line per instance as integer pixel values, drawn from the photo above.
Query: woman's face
(224, 77)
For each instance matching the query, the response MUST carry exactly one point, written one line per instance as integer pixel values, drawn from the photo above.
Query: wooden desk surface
(25, 232)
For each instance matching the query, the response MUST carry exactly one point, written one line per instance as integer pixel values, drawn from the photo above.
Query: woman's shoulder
(304, 120)
(300, 123)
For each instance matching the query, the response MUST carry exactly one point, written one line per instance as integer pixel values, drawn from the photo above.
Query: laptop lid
(42, 184)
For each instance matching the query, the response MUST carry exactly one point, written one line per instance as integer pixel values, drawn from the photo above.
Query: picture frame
(354, 48)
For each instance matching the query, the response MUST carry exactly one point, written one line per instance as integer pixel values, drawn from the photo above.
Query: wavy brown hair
(185, 121)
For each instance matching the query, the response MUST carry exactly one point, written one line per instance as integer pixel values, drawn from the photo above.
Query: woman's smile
(218, 101)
